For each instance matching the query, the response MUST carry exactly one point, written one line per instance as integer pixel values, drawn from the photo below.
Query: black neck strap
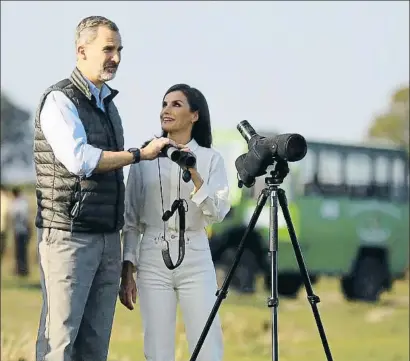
(177, 205)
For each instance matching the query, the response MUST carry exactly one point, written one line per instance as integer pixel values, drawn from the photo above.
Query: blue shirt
(64, 131)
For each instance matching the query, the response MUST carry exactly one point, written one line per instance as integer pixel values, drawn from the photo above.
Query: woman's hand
(128, 287)
(196, 178)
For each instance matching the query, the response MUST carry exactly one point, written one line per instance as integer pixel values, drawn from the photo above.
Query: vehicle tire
(288, 284)
(369, 279)
(244, 277)
(346, 284)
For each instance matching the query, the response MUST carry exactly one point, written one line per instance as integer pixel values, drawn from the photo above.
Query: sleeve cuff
(200, 195)
(93, 156)
(130, 247)
(128, 256)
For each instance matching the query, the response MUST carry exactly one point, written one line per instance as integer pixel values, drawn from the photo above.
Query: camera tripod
(272, 192)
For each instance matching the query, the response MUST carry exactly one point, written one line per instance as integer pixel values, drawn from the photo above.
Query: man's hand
(128, 287)
(152, 150)
(184, 148)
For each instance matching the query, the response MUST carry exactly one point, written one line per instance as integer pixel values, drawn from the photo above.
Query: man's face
(103, 55)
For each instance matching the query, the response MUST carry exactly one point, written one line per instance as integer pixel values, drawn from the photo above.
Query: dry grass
(355, 331)
(17, 347)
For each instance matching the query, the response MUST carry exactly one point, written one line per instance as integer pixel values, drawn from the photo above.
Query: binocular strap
(181, 242)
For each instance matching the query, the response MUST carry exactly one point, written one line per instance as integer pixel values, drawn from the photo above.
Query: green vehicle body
(350, 213)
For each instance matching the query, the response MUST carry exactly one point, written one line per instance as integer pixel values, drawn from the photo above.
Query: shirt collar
(98, 94)
(85, 86)
(192, 144)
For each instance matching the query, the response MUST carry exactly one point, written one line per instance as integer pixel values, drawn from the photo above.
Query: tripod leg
(273, 301)
(223, 291)
(312, 298)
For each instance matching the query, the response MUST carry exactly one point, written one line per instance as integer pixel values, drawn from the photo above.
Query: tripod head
(278, 173)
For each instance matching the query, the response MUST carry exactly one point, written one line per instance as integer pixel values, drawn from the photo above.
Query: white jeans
(193, 284)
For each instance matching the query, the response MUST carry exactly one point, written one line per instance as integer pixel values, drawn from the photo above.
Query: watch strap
(136, 153)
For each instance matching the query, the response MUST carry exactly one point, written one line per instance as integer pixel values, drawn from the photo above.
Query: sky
(321, 69)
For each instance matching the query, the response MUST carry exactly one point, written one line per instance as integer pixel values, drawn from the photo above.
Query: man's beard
(108, 72)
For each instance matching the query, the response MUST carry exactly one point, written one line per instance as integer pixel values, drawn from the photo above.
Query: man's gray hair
(86, 30)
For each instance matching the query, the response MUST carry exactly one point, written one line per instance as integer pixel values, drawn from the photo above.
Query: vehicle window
(400, 179)
(382, 170)
(330, 169)
(382, 175)
(308, 167)
(358, 169)
(329, 179)
(308, 172)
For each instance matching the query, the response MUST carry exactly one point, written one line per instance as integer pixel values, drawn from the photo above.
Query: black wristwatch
(136, 153)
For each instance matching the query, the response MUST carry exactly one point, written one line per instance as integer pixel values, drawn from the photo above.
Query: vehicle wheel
(369, 279)
(288, 284)
(244, 277)
(347, 287)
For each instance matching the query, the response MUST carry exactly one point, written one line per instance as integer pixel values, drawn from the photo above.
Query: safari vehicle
(350, 210)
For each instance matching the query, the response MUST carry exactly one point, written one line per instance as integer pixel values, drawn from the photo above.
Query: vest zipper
(109, 123)
(75, 210)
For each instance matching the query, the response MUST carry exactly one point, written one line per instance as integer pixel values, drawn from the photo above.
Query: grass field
(355, 331)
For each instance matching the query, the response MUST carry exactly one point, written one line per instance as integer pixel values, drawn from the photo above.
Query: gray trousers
(80, 275)
(21, 253)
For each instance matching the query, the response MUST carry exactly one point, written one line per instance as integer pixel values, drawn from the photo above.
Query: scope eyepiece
(246, 130)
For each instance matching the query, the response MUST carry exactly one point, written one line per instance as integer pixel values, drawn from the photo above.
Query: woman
(151, 189)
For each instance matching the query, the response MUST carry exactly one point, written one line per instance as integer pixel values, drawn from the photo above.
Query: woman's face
(176, 115)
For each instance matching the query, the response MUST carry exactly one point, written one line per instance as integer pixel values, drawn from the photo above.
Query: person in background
(4, 220)
(20, 224)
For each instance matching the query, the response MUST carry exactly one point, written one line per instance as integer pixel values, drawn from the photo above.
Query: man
(4, 220)
(79, 156)
(19, 216)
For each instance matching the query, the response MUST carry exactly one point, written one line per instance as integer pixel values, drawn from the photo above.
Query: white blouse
(209, 204)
